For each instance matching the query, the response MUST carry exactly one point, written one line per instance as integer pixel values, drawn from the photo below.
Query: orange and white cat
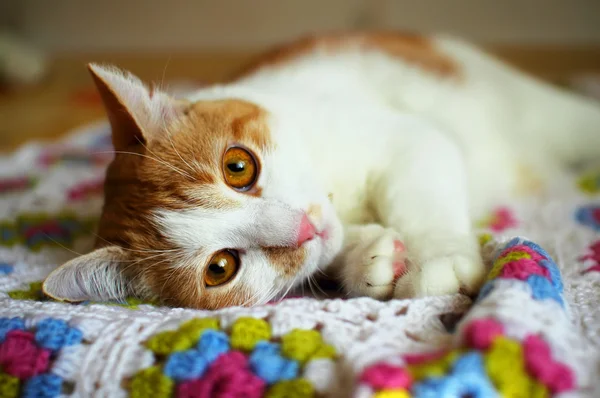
(363, 155)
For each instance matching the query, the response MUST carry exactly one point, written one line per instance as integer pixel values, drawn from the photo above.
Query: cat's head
(208, 204)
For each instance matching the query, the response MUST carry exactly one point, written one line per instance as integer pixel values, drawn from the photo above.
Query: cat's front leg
(425, 198)
(371, 261)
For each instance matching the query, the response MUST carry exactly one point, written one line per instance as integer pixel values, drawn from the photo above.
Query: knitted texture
(531, 332)
(489, 358)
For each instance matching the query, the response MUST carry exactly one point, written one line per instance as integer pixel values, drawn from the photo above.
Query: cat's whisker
(158, 157)
(291, 285)
(176, 169)
(253, 299)
(162, 79)
(169, 277)
(272, 293)
(61, 245)
(269, 295)
(312, 282)
(191, 169)
(134, 250)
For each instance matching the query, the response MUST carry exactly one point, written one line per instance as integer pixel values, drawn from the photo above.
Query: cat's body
(410, 138)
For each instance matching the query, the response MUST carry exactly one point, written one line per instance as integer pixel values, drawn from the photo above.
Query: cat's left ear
(136, 114)
(96, 276)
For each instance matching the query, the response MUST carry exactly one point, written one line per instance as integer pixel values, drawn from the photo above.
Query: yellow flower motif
(151, 382)
(484, 239)
(392, 394)
(590, 183)
(9, 386)
(501, 262)
(33, 293)
(438, 367)
(506, 369)
(184, 338)
(296, 388)
(246, 332)
(304, 345)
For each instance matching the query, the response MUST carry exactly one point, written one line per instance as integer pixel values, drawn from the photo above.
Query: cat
(361, 155)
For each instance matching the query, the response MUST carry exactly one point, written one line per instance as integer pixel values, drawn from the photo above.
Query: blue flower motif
(554, 274)
(269, 365)
(212, 344)
(8, 324)
(186, 365)
(589, 216)
(55, 333)
(46, 385)
(467, 378)
(537, 248)
(541, 289)
(6, 269)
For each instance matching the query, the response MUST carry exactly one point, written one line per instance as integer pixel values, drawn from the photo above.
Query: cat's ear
(95, 276)
(135, 113)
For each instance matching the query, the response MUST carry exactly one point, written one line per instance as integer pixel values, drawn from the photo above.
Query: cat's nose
(306, 231)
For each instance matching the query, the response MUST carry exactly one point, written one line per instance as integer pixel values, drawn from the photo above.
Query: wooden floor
(66, 99)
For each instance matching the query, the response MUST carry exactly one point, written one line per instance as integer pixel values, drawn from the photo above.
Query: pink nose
(306, 231)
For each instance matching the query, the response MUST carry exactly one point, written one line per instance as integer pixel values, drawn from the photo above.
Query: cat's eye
(223, 266)
(239, 168)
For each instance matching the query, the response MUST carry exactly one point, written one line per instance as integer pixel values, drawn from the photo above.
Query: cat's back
(344, 63)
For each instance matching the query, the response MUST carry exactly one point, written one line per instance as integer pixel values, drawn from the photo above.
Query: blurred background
(44, 45)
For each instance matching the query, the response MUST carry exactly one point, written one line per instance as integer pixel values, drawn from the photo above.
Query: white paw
(448, 273)
(374, 263)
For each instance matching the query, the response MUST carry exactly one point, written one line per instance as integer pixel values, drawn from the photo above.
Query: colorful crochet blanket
(534, 330)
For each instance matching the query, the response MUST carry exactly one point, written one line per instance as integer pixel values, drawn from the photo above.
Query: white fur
(414, 151)
(420, 154)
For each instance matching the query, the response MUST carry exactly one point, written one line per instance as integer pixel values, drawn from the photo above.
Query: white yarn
(363, 331)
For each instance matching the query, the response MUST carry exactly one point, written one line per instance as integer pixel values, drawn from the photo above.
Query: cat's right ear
(96, 276)
(135, 113)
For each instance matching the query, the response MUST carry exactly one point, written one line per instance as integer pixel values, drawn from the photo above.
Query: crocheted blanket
(534, 330)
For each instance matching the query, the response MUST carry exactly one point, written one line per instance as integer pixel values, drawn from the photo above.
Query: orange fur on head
(155, 175)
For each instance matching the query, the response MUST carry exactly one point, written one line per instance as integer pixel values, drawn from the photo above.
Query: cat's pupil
(237, 167)
(216, 269)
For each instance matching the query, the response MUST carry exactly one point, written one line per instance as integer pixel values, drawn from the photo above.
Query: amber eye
(222, 267)
(239, 168)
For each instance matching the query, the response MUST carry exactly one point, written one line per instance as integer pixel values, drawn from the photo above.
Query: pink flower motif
(384, 376)
(86, 189)
(480, 333)
(535, 256)
(228, 377)
(540, 364)
(501, 219)
(522, 269)
(415, 359)
(593, 256)
(21, 357)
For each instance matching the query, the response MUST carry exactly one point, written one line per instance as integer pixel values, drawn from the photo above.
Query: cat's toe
(470, 272)
(379, 278)
(440, 276)
(437, 278)
(377, 266)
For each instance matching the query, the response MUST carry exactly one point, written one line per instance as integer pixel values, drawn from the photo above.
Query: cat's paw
(458, 269)
(374, 263)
